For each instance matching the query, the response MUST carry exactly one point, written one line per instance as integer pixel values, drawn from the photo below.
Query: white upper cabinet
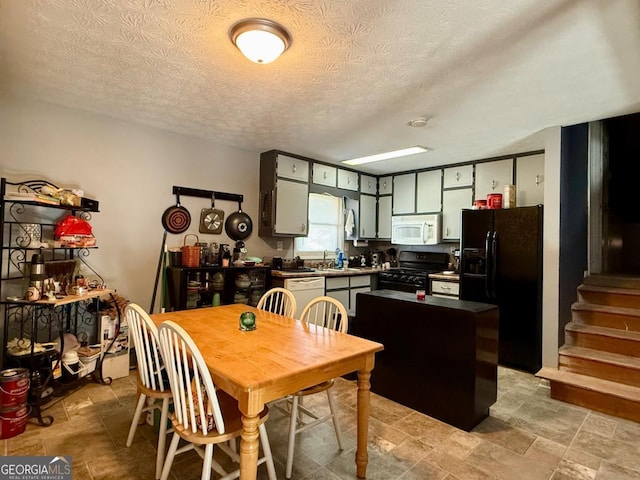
(324, 175)
(367, 228)
(293, 168)
(347, 180)
(460, 176)
(385, 185)
(292, 208)
(491, 177)
(530, 180)
(368, 184)
(404, 193)
(384, 217)
(453, 201)
(429, 192)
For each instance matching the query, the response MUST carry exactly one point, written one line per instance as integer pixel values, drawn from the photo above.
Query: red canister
(494, 200)
(13, 421)
(14, 387)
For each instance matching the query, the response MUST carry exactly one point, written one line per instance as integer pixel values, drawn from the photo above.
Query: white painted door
(385, 185)
(324, 175)
(347, 180)
(491, 177)
(530, 180)
(429, 192)
(453, 201)
(404, 193)
(384, 217)
(368, 185)
(292, 207)
(460, 176)
(367, 227)
(292, 168)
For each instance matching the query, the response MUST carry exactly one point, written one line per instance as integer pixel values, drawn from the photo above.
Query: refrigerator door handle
(487, 276)
(494, 263)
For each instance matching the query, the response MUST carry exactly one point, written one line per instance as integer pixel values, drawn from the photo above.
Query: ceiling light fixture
(403, 152)
(260, 40)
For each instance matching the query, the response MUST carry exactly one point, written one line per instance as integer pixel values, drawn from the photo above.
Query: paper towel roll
(509, 197)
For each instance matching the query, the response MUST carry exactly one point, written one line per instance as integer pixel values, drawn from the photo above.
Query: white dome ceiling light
(260, 40)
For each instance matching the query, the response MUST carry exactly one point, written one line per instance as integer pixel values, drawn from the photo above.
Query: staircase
(599, 365)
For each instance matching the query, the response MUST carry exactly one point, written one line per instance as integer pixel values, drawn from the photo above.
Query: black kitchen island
(440, 355)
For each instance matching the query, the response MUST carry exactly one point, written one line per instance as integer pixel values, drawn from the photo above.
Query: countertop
(439, 302)
(349, 272)
(448, 277)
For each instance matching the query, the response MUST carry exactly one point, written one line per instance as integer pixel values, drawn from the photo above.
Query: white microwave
(416, 229)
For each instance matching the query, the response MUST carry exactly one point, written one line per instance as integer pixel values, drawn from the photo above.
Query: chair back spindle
(278, 300)
(326, 312)
(195, 400)
(144, 334)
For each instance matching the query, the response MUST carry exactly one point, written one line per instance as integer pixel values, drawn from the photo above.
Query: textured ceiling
(488, 74)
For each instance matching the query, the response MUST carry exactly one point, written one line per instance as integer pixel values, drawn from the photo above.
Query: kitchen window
(326, 230)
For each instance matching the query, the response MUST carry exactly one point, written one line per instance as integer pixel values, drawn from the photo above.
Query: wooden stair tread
(601, 356)
(594, 307)
(603, 331)
(613, 281)
(608, 290)
(590, 383)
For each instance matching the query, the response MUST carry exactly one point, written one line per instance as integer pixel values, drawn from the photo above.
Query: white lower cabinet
(345, 289)
(441, 288)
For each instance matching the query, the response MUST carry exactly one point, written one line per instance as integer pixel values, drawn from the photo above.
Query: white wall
(131, 170)
(551, 247)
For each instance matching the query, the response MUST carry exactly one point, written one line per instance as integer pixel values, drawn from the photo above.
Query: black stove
(413, 271)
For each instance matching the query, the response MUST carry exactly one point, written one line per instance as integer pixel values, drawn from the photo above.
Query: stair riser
(606, 371)
(601, 402)
(608, 298)
(603, 343)
(605, 319)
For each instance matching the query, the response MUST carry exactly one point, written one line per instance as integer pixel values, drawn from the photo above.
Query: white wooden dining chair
(203, 415)
(329, 313)
(153, 383)
(278, 300)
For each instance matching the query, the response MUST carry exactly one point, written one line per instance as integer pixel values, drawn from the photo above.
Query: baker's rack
(26, 218)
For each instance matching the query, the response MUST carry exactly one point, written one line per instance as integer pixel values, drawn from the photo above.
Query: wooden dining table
(278, 358)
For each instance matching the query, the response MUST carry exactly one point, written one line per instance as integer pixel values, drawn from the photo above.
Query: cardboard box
(116, 360)
(115, 365)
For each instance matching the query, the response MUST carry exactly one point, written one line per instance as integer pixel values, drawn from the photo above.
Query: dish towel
(349, 223)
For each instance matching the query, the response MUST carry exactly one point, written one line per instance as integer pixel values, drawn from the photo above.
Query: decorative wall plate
(211, 220)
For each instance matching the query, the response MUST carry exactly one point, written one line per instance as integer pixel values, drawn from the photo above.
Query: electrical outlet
(279, 246)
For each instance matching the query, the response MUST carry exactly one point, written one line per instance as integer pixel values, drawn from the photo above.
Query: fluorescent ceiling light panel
(403, 152)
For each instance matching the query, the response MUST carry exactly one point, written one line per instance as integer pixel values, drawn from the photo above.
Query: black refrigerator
(501, 264)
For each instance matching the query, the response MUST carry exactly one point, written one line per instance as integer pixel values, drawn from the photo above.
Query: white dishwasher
(304, 290)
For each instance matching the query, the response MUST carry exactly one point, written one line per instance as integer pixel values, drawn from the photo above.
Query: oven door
(401, 286)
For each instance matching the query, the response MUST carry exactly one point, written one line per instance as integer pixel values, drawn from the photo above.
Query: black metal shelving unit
(24, 224)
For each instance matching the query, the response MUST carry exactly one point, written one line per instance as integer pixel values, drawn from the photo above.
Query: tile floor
(528, 436)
